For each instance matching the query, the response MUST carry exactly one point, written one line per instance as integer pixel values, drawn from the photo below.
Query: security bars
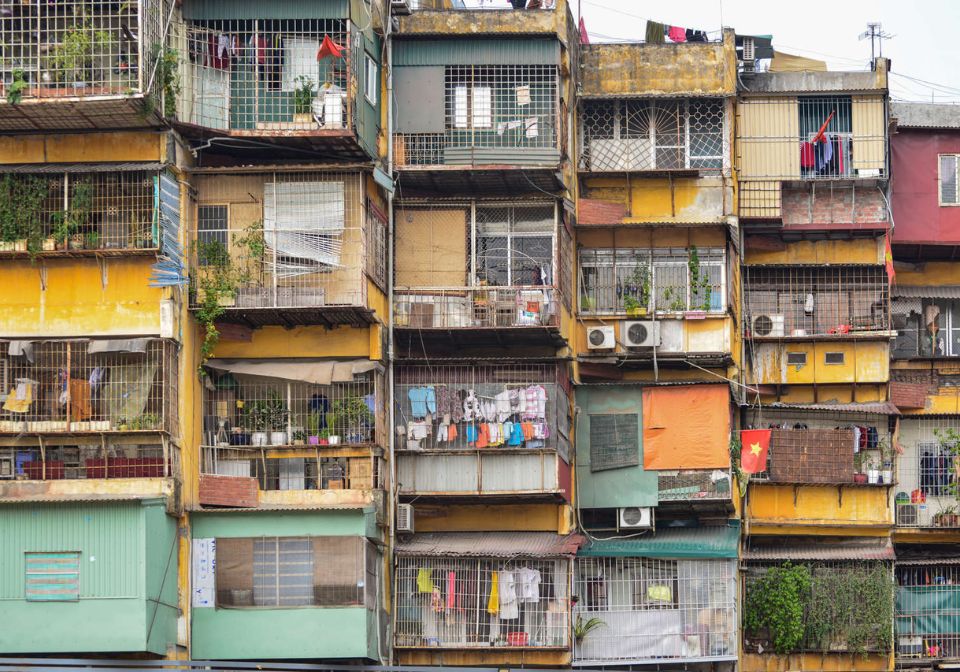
(80, 48)
(654, 610)
(462, 5)
(460, 603)
(928, 598)
(493, 115)
(660, 135)
(90, 458)
(927, 485)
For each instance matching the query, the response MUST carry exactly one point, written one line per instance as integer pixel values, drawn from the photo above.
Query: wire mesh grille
(74, 48)
(927, 478)
(74, 211)
(88, 459)
(928, 599)
(88, 386)
(492, 114)
(267, 74)
(664, 279)
(926, 327)
(815, 301)
(281, 240)
(488, 265)
(657, 609)
(453, 407)
(481, 603)
(624, 135)
(257, 572)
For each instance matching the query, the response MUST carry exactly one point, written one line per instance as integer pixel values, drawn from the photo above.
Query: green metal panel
(476, 52)
(162, 546)
(613, 488)
(259, 634)
(284, 523)
(367, 120)
(675, 543)
(256, 9)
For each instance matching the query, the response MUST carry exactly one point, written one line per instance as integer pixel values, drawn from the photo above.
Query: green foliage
(71, 60)
(17, 87)
(700, 287)
(268, 414)
(349, 415)
(736, 449)
(582, 628)
(22, 198)
(636, 289)
(168, 78)
(303, 95)
(949, 440)
(776, 602)
(851, 609)
(147, 421)
(215, 282)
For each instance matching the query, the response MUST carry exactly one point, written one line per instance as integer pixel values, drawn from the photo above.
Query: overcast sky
(925, 43)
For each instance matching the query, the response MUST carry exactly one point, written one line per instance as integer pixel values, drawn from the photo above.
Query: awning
(819, 548)
(318, 372)
(57, 168)
(877, 408)
(675, 543)
(118, 345)
(490, 545)
(926, 292)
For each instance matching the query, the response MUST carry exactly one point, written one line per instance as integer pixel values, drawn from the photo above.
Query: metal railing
(471, 5)
(927, 602)
(477, 307)
(95, 385)
(927, 483)
(79, 211)
(306, 468)
(267, 74)
(688, 485)
(79, 48)
(90, 461)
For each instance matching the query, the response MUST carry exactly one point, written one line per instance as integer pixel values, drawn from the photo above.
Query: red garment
(261, 43)
(329, 48)
(806, 155)
(677, 34)
(584, 37)
(483, 438)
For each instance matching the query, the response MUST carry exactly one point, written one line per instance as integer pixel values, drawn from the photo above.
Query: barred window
(667, 279)
(376, 235)
(269, 572)
(614, 441)
(212, 225)
(948, 179)
(515, 245)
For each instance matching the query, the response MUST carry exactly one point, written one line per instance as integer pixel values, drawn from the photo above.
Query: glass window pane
(482, 107)
(460, 107)
(493, 261)
(532, 261)
(948, 179)
(533, 219)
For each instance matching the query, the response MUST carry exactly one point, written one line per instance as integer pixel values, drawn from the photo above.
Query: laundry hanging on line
(657, 33)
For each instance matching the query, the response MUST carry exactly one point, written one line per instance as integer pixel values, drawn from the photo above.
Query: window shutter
(52, 577)
(614, 441)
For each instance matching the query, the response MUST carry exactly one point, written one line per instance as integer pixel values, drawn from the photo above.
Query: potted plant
(303, 96)
(351, 419)
(299, 437)
(700, 287)
(636, 291)
(583, 627)
(72, 59)
(886, 455)
(277, 416)
(314, 420)
(256, 420)
(17, 87)
(859, 475)
(873, 472)
(91, 240)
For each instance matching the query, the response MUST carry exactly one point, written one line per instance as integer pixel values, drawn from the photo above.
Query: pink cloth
(677, 34)
(451, 590)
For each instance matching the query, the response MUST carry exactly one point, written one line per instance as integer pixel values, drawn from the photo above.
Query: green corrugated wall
(256, 9)
(476, 52)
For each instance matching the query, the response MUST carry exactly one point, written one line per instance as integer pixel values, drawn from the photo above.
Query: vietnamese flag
(754, 444)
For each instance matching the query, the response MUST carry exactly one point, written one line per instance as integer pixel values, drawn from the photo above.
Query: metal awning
(926, 292)
(317, 372)
(490, 545)
(58, 168)
(675, 543)
(822, 548)
(876, 408)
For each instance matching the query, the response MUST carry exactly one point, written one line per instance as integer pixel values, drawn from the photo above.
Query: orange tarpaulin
(686, 427)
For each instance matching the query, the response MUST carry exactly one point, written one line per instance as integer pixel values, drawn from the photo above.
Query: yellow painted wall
(768, 130)
(490, 518)
(313, 341)
(928, 274)
(709, 335)
(84, 147)
(828, 394)
(655, 199)
(770, 504)
(869, 124)
(651, 237)
(820, 253)
(75, 302)
(811, 662)
(864, 362)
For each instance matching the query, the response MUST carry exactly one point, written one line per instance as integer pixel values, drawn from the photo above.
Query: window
(669, 279)
(948, 179)
(212, 225)
(936, 469)
(832, 154)
(292, 572)
(304, 221)
(300, 60)
(372, 81)
(796, 359)
(833, 358)
(52, 577)
(614, 441)
(376, 236)
(479, 99)
(937, 328)
(515, 245)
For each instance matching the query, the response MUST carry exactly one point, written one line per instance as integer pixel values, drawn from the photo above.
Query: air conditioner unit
(400, 6)
(641, 334)
(910, 646)
(768, 325)
(601, 338)
(7, 467)
(749, 53)
(635, 517)
(404, 522)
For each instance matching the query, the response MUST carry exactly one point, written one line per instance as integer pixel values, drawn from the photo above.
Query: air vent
(641, 334)
(768, 325)
(601, 338)
(404, 521)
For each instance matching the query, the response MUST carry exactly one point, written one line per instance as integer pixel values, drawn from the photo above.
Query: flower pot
(258, 439)
(313, 440)
(323, 442)
(887, 475)
(302, 118)
(873, 476)
(636, 312)
(334, 440)
(49, 244)
(76, 242)
(695, 314)
(298, 442)
(278, 438)
(860, 478)
(20, 245)
(239, 439)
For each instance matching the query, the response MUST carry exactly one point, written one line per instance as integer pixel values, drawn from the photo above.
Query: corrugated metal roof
(934, 554)
(57, 168)
(690, 542)
(827, 548)
(926, 115)
(877, 408)
(490, 544)
(930, 292)
(60, 498)
(277, 9)
(466, 51)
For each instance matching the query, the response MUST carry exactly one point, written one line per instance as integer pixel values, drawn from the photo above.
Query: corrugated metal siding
(437, 473)
(476, 52)
(109, 536)
(490, 544)
(821, 549)
(424, 473)
(700, 542)
(525, 156)
(253, 9)
(508, 473)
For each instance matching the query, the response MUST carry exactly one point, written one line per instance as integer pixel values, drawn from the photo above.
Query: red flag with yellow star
(754, 444)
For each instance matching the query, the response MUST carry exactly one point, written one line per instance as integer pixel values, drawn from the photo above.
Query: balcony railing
(472, 5)
(283, 241)
(90, 461)
(264, 76)
(310, 467)
(827, 456)
(692, 486)
(927, 486)
(802, 302)
(927, 602)
(477, 308)
(103, 212)
(80, 49)
(457, 603)
(88, 386)
(656, 610)
(659, 136)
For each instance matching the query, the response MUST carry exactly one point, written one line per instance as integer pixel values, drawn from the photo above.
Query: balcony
(293, 83)
(282, 432)
(505, 280)
(927, 485)
(76, 65)
(695, 489)
(85, 210)
(927, 601)
(287, 248)
(491, 432)
(661, 137)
